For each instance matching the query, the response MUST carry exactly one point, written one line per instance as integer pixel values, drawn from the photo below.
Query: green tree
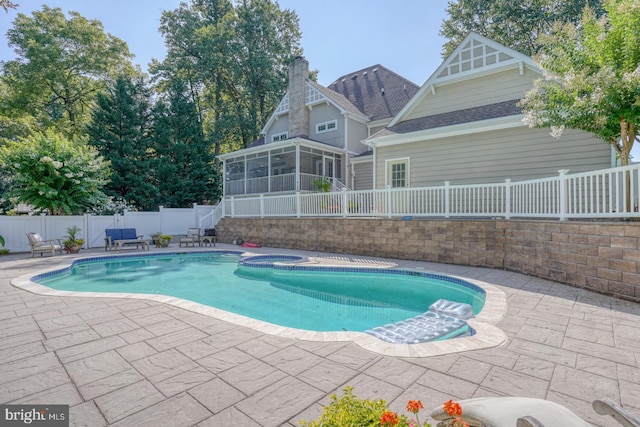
(513, 23)
(266, 40)
(55, 174)
(61, 65)
(234, 58)
(120, 130)
(592, 77)
(183, 163)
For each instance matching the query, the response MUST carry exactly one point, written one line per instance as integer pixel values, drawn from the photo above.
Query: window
(279, 137)
(398, 173)
(326, 126)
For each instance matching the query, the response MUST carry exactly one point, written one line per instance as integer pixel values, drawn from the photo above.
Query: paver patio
(132, 362)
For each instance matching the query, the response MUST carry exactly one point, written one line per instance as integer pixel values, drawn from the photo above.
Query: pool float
(250, 245)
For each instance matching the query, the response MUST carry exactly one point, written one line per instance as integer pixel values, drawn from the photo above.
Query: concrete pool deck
(134, 362)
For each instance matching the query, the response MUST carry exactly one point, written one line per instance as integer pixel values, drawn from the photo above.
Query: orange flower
(389, 418)
(414, 406)
(452, 408)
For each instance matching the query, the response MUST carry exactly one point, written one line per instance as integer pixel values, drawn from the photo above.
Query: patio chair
(209, 237)
(191, 238)
(38, 244)
(530, 412)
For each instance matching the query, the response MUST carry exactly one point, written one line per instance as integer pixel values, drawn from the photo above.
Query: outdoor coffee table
(144, 242)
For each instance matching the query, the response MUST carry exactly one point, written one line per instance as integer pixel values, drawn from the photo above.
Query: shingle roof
(338, 98)
(474, 114)
(376, 91)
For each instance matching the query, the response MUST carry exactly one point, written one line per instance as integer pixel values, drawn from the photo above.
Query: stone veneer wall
(601, 256)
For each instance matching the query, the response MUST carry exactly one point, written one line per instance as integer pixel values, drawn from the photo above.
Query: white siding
(484, 90)
(518, 154)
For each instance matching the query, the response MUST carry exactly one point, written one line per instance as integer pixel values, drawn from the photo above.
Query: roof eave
(279, 144)
(506, 122)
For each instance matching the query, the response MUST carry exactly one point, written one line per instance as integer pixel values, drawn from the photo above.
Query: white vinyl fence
(610, 193)
(171, 221)
(607, 194)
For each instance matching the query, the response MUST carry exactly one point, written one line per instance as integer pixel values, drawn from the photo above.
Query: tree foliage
(61, 65)
(235, 57)
(55, 174)
(183, 163)
(8, 4)
(516, 24)
(592, 77)
(120, 129)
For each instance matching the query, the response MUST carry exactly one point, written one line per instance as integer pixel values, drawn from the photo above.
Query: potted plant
(162, 240)
(72, 243)
(3, 250)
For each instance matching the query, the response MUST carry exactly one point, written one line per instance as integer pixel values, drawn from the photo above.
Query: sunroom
(291, 165)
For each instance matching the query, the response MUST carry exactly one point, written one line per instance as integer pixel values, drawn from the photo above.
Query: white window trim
(387, 166)
(326, 126)
(279, 136)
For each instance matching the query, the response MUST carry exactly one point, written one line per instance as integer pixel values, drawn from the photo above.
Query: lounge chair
(191, 238)
(530, 412)
(38, 244)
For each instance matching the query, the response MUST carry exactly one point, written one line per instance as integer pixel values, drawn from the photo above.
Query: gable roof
(452, 118)
(475, 56)
(376, 91)
(370, 94)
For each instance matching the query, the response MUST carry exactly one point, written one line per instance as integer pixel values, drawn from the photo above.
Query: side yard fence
(610, 193)
(172, 221)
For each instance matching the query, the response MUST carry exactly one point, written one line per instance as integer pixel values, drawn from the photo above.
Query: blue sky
(338, 36)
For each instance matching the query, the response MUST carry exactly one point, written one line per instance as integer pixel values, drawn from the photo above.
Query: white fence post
(344, 203)
(389, 204)
(507, 198)
(447, 199)
(261, 205)
(195, 215)
(562, 194)
(298, 205)
(233, 207)
(160, 209)
(85, 226)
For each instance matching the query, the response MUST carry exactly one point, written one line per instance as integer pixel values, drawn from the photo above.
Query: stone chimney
(298, 112)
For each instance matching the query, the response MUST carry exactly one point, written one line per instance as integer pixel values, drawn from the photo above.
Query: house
(464, 126)
(374, 129)
(316, 133)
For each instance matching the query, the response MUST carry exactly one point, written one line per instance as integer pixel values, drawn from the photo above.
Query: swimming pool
(271, 288)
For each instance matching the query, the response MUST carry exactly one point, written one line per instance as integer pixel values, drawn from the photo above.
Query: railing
(610, 193)
(278, 183)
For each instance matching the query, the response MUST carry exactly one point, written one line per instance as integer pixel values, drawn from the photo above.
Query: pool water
(296, 296)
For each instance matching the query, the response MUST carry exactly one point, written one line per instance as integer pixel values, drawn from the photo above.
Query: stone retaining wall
(601, 256)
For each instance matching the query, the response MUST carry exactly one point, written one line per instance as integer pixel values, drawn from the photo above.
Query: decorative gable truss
(312, 96)
(475, 56)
